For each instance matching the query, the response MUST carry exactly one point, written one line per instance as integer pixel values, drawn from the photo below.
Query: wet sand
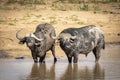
(108, 68)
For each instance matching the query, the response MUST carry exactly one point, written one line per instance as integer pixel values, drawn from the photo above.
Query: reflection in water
(12, 69)
(73, 73)
(98, 72)
(40, 72)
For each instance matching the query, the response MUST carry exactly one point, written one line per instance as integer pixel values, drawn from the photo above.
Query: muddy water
(108, 68)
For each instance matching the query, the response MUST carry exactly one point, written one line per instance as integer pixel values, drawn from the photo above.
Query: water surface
(108, 68)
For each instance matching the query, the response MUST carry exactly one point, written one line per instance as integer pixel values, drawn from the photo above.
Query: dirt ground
(14, 17)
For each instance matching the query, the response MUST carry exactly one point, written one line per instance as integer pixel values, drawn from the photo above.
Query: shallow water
(108, 68)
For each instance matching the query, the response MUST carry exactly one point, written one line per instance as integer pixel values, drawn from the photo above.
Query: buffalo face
(67, 40)
(30, 39)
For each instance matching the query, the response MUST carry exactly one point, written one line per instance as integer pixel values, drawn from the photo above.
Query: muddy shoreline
(4, 54)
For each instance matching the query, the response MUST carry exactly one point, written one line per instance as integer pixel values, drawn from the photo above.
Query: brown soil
(16, 17)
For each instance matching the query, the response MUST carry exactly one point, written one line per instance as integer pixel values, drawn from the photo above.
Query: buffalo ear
(22, 41)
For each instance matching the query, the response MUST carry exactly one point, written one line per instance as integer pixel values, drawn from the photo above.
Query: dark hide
(74, 41)
(46, 33)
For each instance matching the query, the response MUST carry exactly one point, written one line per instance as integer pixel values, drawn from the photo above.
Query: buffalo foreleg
(34, 57)
(42, 59)
(69, 58)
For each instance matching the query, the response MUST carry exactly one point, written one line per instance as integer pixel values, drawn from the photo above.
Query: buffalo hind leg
(96, 52)
(53, 53)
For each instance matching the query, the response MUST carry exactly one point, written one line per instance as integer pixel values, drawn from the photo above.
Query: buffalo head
(67, 40)
(29, 39)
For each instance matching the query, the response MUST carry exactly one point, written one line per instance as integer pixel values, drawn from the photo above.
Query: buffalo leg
(96, 52)
(42, 59)
(75, 60)
(35, 60)
(53, 53)
(69, 59)
(34, 57)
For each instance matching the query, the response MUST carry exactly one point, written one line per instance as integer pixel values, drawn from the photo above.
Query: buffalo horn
(17, 35)
(73, 37)
(54, 37)
(32, 35)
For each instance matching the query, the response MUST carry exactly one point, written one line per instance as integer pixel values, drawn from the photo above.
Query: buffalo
(39, 42)
(74, 41)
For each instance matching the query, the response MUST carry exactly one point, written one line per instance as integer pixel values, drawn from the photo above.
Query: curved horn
(54, 37)
(73, 37)
(17, 36)
(27, 35)
(32, 35)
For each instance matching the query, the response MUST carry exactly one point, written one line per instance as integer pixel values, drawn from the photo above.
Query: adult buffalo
(39, 42)
(81, 40)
